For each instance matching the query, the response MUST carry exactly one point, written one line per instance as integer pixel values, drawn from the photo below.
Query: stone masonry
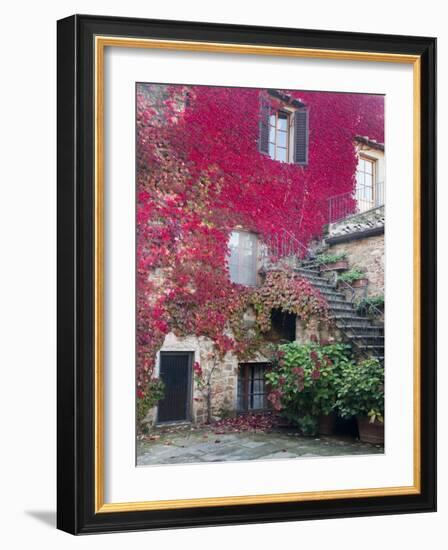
(223, 377)
(368, 255)
(361, 237)
(365, 253)
(223, 374)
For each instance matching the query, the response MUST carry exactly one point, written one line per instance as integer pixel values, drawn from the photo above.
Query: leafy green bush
(353, 275)
(360, 390)
(370, 305)
(330, 258)
(154, 392)
(303, 381)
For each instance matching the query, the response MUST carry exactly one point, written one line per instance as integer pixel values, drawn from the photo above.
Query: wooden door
(175, 372)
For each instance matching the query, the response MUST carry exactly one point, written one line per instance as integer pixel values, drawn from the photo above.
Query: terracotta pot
(342, 265)
(370, 432)
(327, 424)
(360, 283)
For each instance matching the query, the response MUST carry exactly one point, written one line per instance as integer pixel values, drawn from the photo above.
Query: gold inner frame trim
(101, 42)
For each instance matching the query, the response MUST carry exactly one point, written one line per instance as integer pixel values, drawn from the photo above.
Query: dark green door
(175, 372)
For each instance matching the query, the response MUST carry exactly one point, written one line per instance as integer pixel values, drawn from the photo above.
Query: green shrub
(303, 381)
(353, 275)
(370, 305)
(330, 258)
(360, 390)
(154, 392)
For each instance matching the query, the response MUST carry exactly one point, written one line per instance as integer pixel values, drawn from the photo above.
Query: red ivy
(200, 174)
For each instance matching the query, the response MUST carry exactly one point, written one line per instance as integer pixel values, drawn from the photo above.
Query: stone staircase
(367, 339)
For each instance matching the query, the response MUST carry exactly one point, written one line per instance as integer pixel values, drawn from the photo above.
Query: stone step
(306, 271)
(312, 272)
(325, 287)
(365, 338)
(350, 329)
(338, 306)
(361, 335)
(309, 263)
(356, 329)
(342, 306)
(368, 340)
(320, 282)
(332, 297)
(335, 301)
(371, 347)
(368, 330)
(329, 291)
(312, 275)
(353, 317)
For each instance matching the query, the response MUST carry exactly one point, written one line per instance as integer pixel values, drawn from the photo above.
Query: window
(252, 388)
(284, 132)
(279, 123)
(283, 326)
(365, 184)
(243, 250)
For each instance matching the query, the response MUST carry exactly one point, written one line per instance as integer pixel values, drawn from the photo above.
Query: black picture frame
(76, 270)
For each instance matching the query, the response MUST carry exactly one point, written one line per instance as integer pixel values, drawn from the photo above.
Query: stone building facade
(360, 235)
(225, 377)
(361, 238)
(223, 389)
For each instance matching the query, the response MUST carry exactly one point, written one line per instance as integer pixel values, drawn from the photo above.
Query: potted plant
(355, 277)
(332, 262)
(303, 382)
(360, 393)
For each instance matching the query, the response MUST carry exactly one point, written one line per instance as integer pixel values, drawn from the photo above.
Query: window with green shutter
(301, 132)
(263, 138)
(284, 133)
(279, 135)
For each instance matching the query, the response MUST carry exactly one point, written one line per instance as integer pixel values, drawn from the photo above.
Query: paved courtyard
(203, 445)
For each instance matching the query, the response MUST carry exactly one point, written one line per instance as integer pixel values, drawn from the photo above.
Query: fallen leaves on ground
(245, 423)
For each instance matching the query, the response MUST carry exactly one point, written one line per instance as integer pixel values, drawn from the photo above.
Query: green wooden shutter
(263, 138)
(301, 132)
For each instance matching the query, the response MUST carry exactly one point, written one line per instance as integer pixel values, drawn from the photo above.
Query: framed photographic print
(246, 274)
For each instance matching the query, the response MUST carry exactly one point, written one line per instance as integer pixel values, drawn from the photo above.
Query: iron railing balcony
(361, 199)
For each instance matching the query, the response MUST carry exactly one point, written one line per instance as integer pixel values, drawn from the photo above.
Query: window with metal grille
(252, 389)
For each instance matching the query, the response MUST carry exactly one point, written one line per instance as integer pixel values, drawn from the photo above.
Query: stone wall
(368, 255)
(305, 332)
(223, 377)
(223, 372)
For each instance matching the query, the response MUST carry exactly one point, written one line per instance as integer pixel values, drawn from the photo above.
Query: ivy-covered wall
(199, 175)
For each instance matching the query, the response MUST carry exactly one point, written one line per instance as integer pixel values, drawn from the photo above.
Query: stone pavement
(195, 446)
